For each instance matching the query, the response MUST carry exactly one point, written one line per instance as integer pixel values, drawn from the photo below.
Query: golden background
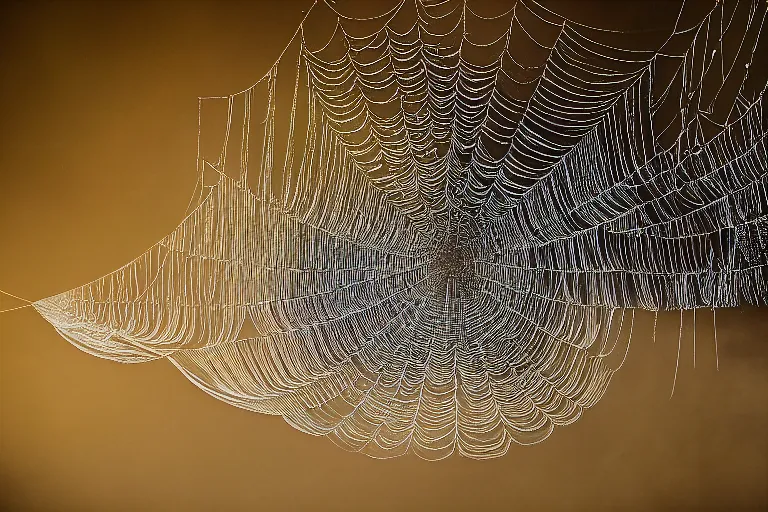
(98, 118)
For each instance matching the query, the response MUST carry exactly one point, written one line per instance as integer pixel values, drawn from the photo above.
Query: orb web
(428, 230)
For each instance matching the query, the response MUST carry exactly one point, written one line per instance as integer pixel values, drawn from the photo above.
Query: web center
(451, 269)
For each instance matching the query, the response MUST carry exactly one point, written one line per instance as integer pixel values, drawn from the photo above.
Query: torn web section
(214, 119)
(707, 76)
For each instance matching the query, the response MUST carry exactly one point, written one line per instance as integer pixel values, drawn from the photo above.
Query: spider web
(430, 231)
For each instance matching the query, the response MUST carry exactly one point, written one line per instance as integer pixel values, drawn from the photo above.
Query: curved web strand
(415, 235)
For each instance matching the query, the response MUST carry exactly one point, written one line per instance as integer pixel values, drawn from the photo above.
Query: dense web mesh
(428, 230)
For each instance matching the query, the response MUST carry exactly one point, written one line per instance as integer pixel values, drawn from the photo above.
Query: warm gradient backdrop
(98, 119)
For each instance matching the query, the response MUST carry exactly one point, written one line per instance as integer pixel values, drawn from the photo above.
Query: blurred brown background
(98, 118)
